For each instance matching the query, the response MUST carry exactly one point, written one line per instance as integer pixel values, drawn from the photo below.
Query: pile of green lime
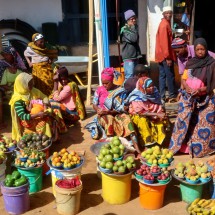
(111, 157)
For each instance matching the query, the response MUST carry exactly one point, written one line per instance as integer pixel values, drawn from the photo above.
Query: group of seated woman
(129, 111)
(33, 111)
(54, 103)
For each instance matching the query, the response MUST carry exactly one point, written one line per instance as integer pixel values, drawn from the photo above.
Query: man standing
(165, 56)
(130, 40)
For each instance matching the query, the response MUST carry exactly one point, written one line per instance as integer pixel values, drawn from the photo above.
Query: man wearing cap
(165, 56)
(184, 52)
(130, 40)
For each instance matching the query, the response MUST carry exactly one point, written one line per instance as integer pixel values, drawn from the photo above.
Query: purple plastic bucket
(16, 199)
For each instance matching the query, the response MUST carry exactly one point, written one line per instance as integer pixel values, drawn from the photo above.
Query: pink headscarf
(108, 74)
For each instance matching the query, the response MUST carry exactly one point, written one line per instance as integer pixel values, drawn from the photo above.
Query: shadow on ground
(89, 194)
(40, 199)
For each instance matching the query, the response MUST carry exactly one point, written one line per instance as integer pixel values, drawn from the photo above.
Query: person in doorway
(40, 56)
(130, 40)
(165, 56)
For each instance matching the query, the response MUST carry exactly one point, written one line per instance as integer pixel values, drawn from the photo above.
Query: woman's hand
(169, 62)
(101, 112)
(55, 78)
(188, 89)
(42, 114)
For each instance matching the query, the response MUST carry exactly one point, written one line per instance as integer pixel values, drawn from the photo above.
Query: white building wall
(33, 12)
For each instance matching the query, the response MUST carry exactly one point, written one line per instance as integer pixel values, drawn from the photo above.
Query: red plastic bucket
(16, 199)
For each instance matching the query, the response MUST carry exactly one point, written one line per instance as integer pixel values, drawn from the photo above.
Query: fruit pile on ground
(7, 143)
(29, 158)
(156, 155)
(65, 159)
(34, 141)
(202, 206)
(192, 171)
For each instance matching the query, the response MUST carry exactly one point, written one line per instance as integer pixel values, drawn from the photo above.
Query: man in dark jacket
(130, 39)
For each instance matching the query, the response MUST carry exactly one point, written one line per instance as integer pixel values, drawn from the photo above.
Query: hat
(167, 8)
(37, 36)
(178, 43)
(128, 14)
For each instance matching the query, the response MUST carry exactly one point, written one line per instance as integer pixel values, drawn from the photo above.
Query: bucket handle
(62, 201)
(36, 180)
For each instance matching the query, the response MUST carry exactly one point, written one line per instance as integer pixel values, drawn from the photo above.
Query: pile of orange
(65, 159)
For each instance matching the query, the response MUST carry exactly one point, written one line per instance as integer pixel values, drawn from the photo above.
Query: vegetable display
(34, 141)
(15, 179)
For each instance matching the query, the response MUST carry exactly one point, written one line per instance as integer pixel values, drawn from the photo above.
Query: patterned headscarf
(18, 62)
(178, 43)
(108, 74)
(36, 36)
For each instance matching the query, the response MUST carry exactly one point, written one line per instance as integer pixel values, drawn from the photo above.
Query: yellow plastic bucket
(116, 190)
(121, 78)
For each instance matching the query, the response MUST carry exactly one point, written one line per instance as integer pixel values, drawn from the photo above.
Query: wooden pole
(90, 54)
(192, 23)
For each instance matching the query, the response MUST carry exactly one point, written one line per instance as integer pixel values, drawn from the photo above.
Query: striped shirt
(20, 109)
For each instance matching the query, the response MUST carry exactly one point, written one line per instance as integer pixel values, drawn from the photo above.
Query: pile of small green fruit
(111, 157)
(157, 156)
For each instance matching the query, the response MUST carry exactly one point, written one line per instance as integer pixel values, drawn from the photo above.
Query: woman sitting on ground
(66, 97)
(25, 122)
(194, 129)
(147, 112)
(10, 67)
(108, 103)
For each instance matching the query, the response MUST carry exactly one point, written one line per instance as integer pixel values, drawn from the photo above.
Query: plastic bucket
(121, 77)
(190, 192)
(60, 174)
(16, 199)
(68, 200)
(56, 175)
(34, 176)
(116, 189)
(151, 197)
(45, 166)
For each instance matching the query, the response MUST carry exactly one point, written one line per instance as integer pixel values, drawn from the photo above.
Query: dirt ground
(92, 203)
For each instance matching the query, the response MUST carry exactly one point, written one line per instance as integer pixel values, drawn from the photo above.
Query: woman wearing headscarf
(40, 56)
(10, 67)
(66, 97)
(194, 129)
(22, 120)
(108, 102)
(146, 111)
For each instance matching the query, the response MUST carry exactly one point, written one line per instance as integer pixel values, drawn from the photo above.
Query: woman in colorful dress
(40, 56)
(147, 112)
(108, 102)
(66, 97)
(10, 67)
(25, 122)
(194, 129)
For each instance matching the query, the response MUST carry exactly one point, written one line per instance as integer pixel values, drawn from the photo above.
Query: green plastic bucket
(190, 192)
(34, 176)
